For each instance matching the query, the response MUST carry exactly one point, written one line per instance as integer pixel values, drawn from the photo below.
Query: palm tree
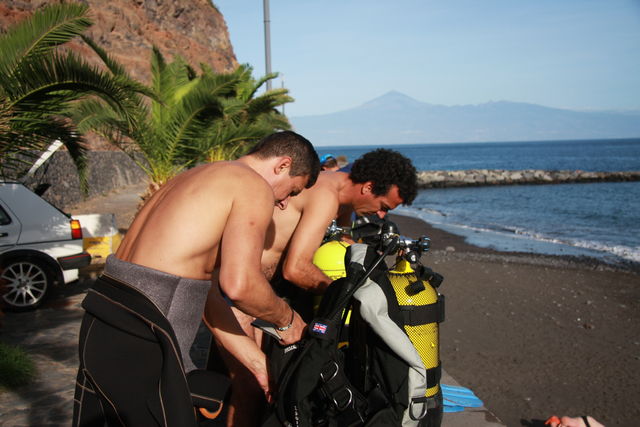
(193, 118)
(159, 133)
(39, 83)
(247, 118)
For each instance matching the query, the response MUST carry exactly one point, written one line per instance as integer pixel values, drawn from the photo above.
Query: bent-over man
(143, 312)
(378, 182)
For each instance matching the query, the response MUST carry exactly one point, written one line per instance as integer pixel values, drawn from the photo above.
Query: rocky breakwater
(482, 177)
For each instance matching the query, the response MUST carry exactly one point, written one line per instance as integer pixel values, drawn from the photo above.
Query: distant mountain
(395, 118)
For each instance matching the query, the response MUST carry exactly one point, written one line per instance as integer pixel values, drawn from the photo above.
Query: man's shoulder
(235, 173)
(326, 189)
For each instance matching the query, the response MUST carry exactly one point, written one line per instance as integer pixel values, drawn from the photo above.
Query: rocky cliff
(128, 29)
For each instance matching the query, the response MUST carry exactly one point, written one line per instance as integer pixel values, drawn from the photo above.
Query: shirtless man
(378, 182)
(143, 312)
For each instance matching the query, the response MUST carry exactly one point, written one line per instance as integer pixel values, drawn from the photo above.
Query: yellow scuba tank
(330, 258)
(413, 295)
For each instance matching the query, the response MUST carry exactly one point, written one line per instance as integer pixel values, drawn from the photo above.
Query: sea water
(596, 219)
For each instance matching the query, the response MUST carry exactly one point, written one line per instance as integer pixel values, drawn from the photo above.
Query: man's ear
(367, 188)
(283, 165)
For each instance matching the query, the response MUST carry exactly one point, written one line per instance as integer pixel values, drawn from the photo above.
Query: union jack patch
(319, 328)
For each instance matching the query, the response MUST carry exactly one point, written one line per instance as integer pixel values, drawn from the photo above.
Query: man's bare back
(285, 222)
(163, 235)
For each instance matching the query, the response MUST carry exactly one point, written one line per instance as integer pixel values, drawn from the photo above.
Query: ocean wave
(595, 248)
(431, 211)
(625, 252)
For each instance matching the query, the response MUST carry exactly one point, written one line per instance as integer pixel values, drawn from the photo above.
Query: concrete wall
(107, 170)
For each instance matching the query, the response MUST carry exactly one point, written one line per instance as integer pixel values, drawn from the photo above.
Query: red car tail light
(76, 229)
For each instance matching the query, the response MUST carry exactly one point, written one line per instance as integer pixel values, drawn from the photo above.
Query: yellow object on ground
(100, 237)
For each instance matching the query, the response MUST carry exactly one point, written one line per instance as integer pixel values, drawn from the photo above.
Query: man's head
(329, 163)
(387, 179)
(297, 166)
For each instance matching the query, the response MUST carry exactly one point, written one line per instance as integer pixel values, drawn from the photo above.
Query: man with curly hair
(379, 181)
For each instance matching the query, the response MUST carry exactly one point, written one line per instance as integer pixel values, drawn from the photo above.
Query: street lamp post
(267, 40)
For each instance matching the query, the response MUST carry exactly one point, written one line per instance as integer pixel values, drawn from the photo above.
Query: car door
(9, 227)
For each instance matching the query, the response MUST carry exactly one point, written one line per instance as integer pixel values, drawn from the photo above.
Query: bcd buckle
(349, 400)
(425, 407)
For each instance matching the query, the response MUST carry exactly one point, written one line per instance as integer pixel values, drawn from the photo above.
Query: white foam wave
(435, 218)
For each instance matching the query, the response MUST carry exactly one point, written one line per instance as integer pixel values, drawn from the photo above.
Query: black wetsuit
(131, 369)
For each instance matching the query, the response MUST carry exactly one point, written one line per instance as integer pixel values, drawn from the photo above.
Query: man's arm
(241, 277)
(298, 266)
(229, 334)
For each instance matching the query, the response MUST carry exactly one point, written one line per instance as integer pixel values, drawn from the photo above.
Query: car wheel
(26, 282)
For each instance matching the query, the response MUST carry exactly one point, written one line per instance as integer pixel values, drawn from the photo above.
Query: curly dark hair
(385, 168)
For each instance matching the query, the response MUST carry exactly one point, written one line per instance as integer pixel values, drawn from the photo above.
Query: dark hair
(304, 159)
(330, 163)
(385, 168)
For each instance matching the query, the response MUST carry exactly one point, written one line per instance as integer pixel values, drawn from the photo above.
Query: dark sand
(538, 335)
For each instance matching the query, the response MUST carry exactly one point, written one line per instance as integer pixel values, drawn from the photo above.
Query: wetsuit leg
(119, 378)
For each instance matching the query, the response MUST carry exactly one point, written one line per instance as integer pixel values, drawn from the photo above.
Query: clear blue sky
(337, 54)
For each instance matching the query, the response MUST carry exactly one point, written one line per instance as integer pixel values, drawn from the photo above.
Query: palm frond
(48, 83)
(114, 66)
(46, 29)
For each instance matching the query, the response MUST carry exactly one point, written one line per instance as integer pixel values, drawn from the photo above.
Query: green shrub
(16, 368)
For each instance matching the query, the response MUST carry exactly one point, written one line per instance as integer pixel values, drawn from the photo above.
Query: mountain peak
(393, 100)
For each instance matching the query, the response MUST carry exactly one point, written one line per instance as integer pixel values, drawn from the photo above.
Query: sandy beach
(531, 335)
(538, 335)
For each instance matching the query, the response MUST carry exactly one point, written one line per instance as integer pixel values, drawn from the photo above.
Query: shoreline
(444, 240)
(535, 335)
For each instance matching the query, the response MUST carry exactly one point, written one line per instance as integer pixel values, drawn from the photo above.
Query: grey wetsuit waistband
(180, 299)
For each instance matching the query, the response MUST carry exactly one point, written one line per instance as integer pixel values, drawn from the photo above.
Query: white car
(40, 246)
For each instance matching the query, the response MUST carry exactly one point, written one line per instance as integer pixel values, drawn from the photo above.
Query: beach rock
(473, 178)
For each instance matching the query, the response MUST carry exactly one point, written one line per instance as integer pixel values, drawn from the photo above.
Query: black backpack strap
(416, 315)
(434, 375)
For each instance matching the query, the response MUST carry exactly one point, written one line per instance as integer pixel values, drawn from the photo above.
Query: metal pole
(267, 40)
(282, 85)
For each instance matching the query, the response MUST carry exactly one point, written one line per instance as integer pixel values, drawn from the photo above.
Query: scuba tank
(422, 308)
(330, 258)
(414, 307)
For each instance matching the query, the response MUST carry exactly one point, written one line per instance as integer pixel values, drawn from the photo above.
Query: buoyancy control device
(394, 344)
(388, 374)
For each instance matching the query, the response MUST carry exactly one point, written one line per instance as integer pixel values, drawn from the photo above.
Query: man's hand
(295, 332)
(257, 365)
